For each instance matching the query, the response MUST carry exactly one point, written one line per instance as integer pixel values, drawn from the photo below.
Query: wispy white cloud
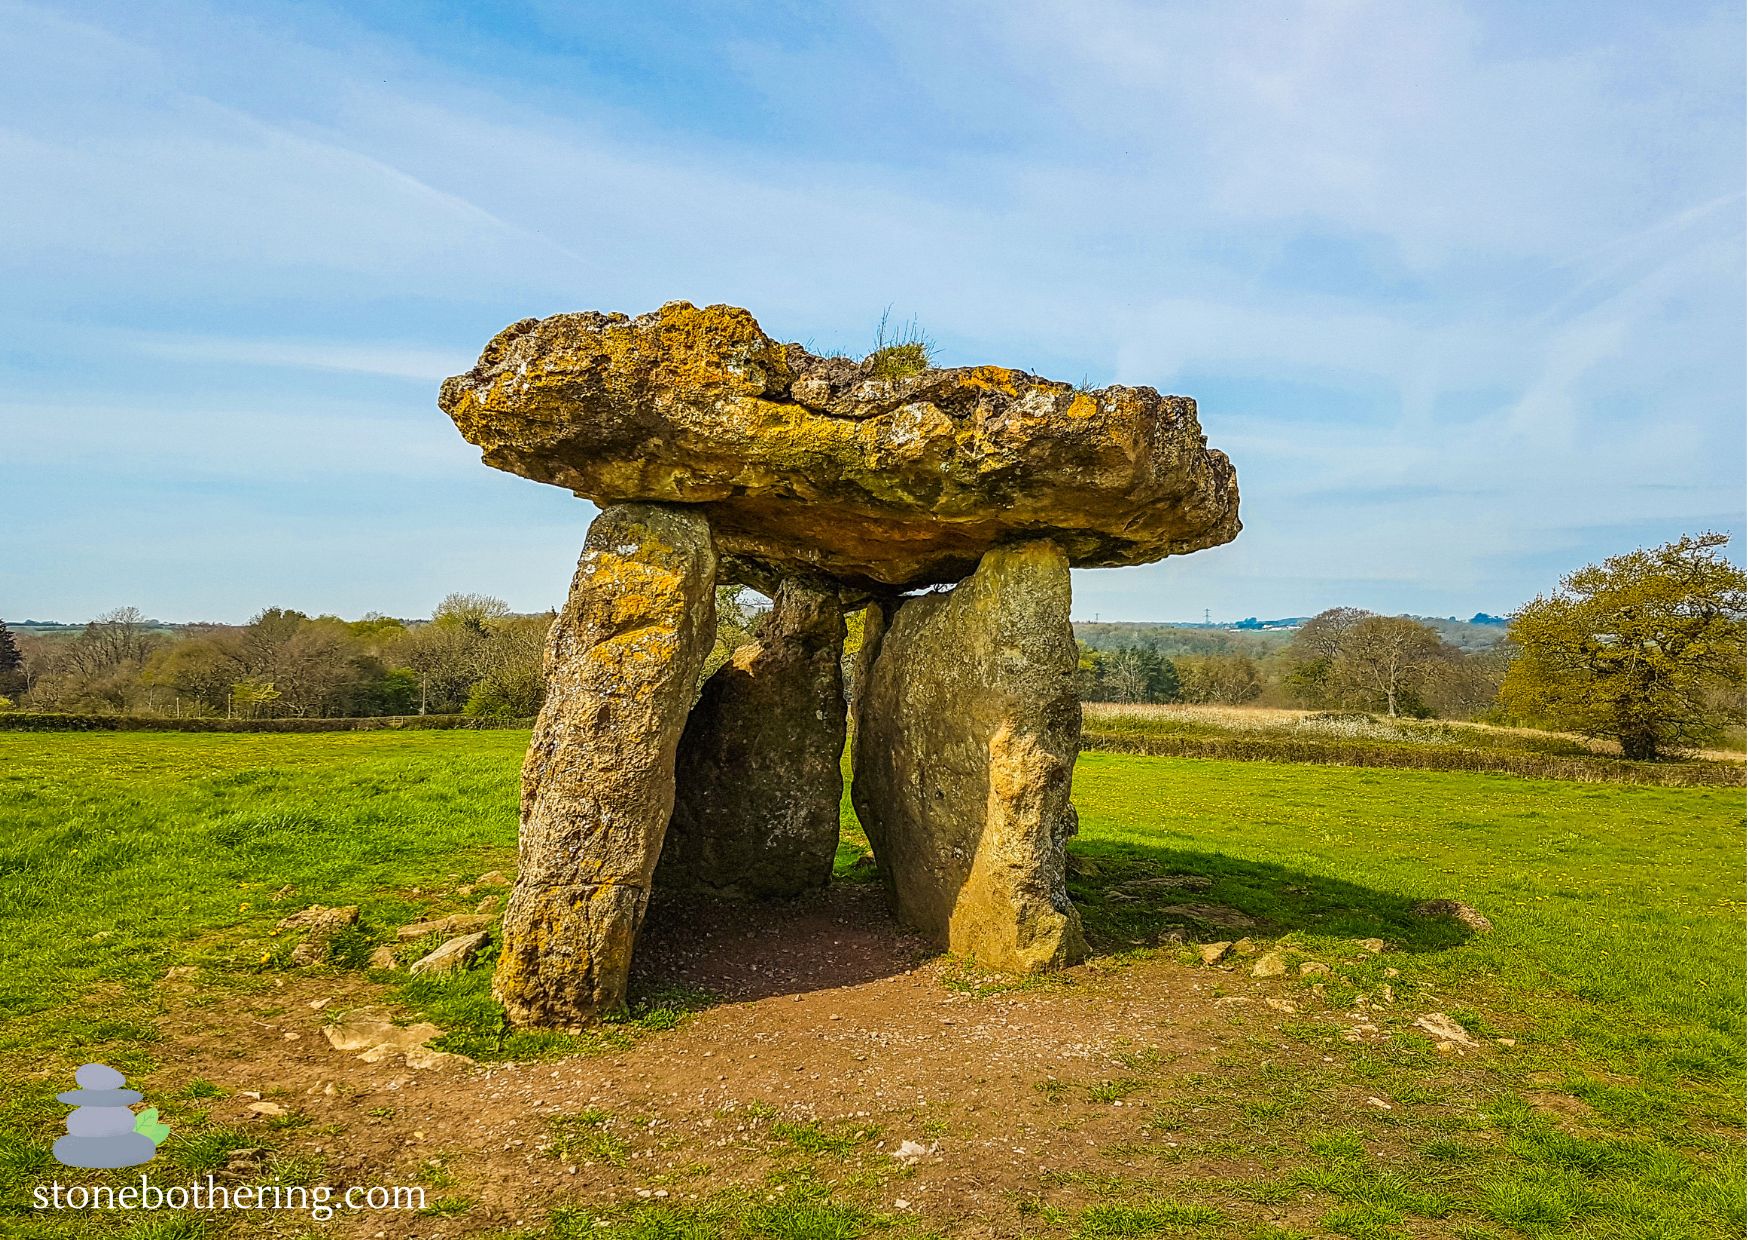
(1531, 247)
(394, 361)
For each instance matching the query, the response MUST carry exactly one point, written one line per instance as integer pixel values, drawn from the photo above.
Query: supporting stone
(759, 773)
(967, 727)
(622, 666)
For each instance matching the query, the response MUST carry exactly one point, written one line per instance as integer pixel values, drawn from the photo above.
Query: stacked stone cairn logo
(717, 455)
(102, 1130)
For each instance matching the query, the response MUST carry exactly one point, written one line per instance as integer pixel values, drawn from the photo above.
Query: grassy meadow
(1607, 1100)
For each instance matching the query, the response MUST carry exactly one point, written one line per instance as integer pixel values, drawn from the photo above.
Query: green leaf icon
(147, 1124)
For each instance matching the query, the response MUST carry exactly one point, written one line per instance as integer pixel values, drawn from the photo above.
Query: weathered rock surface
(366, 1029)
(967, 727)
(622, 666)
(455, 923)
(803, 463)
(759, 775)
(321, 925)
(453, 954)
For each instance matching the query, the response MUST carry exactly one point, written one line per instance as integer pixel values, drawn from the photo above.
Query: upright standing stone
(622, 666)
(967, 727)
(759, 773)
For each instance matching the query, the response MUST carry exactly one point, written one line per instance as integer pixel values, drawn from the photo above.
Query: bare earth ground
(830, 1016)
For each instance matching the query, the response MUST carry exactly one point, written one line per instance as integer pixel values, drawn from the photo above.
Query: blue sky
(1458, 286)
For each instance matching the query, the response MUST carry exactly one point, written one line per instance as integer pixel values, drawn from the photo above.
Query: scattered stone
(1213, 953)
(492, 878)
(1372, 945)
(266, 1110)
(1269, 964)
(455, 954)
(1169, 882)
(1312, 968)
(1506, 1041)
(455, 923)
(622, 661)
(384, 958)
(1244, 947)
(1455, 911)
(1282, 1005)
(1379, 1103)
(422, 1057)
(967, 727)
(362, 1030)
(912, 1152)
(1220, 916)
(488, 905)
(320, 925)
(1444, 1028)
(182, 971)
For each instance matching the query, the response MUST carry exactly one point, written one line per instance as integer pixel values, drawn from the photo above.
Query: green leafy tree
(1645, 648)
(1352, 659)
(11, 662)
(1229, 679)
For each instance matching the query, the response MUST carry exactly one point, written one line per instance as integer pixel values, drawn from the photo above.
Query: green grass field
(1616, 969)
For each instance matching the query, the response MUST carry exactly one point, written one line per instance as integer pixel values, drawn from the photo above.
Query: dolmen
(947, 505)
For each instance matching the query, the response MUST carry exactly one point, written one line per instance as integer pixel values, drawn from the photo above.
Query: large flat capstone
(809, 464)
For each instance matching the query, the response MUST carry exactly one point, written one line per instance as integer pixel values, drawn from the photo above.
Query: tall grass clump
(900, 350)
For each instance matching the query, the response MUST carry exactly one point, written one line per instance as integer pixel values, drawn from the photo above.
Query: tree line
(473, 656)
(1645, 648)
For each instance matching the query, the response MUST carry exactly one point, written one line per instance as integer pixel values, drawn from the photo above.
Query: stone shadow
(1128, 895)
(1134, 895)
(741, 950)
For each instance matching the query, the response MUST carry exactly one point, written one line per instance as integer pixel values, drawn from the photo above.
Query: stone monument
(718, 455)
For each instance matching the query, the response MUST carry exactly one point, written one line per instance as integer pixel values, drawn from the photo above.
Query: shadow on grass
(1132, 895)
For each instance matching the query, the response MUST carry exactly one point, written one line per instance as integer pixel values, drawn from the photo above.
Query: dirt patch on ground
(832, 1022)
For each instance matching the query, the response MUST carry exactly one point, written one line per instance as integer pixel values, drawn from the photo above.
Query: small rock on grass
(455, 923)
(1269, 964)
(384, 958)
(1213, 953)
(1444, 1029)
(365, 1030)
(266, 1110)
(1312, 968)
(455, 954)
(320, 924)
(1372, 945)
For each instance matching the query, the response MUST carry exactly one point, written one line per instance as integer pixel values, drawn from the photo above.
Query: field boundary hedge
(1422, 757)
(45, 721)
